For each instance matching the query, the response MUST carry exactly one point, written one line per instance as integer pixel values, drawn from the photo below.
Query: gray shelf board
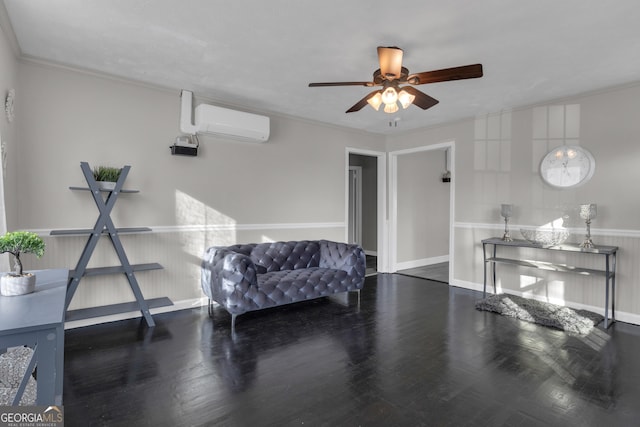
(99, 271)
(104, 191)
(566, 247)
(108, 310)
(542, 265)
(84, 231)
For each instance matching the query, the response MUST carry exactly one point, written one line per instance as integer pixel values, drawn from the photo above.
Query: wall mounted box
(183, 151)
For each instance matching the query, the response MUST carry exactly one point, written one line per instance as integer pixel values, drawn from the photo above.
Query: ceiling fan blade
(390, 59)
(421, 100)
(368, 84)
(360, 104)
(447, 74)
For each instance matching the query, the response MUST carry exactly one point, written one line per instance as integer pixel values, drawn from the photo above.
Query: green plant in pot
(106, 176)
(17, 243)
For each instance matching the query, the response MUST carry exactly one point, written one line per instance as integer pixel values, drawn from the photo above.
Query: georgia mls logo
(53, 414)
(32, 416)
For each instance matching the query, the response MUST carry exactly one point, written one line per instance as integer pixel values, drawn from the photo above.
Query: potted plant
(106, 176)
(17, 243)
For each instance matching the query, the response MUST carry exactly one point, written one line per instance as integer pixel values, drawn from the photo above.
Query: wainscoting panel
(562, 288)
(178, 249)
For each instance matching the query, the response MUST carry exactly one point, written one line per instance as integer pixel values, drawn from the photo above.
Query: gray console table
(609, 272)
(37, 321)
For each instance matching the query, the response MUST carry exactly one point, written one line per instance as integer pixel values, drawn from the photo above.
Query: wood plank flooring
(438, 272)
(412, 353)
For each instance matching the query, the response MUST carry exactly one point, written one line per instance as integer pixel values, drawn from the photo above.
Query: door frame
(356, 216)
(393, 200)
(382, 229)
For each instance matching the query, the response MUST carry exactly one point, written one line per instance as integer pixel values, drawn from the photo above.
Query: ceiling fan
(392, 74)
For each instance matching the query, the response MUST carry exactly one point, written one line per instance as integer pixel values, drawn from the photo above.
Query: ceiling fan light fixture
(375, 101)
(390, 59)
(390, 108)
(405, 98)
(389, 96)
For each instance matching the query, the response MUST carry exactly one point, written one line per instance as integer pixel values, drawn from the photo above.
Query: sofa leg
(210, 308)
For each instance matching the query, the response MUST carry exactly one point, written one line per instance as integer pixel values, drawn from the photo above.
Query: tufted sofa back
(278, 256)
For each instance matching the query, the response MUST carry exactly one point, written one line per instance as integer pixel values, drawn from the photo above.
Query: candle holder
(588, 212)
(506, 211)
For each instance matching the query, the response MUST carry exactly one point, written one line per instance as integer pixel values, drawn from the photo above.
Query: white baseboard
(370, 253)
(179, 305)
(620, 315)
(421, 262)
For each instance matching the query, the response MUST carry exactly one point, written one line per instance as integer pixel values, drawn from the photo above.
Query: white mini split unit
(222, 122)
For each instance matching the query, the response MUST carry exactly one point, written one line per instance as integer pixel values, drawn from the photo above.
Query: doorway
(412, 215)
(365, 201)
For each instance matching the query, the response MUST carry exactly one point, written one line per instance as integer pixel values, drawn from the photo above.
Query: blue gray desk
(37, 320)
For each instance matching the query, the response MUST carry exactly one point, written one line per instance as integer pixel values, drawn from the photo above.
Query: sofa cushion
(279, 256)
(288, 286)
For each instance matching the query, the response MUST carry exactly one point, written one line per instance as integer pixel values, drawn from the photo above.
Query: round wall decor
(567, 166)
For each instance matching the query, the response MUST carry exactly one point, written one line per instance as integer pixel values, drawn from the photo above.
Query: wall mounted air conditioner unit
(222, 122)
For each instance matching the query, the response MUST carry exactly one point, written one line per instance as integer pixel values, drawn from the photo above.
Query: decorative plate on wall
(567, 166)
(8, 104)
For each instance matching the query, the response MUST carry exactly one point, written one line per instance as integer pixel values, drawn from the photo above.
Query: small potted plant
(16, 243)
(106, 176)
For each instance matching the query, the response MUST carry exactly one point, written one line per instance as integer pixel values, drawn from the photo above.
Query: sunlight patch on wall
(492, 158)
(527, 282)
(550, 233)
(267, 239)
(209, 227)
(539, 288)
(554, 125)
(557, 223)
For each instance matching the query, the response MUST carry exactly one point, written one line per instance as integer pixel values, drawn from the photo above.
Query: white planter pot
(11, 284)
(106, 185)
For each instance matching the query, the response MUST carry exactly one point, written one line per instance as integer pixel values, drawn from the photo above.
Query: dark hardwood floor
(413, 353)
(437, 272)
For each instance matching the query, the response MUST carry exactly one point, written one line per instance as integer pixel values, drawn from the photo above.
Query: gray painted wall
(293, 186)
(496, 161)
(423, 208)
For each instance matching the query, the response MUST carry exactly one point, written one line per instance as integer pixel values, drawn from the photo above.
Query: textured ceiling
(261, 55)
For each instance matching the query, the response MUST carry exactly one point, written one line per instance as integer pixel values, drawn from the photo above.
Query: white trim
(422, 262)
(621, 316)
(383, 226)
(225, 227)
(393, 199)
(355, 236)
(371, 253)
(615, 232)
(179, 305)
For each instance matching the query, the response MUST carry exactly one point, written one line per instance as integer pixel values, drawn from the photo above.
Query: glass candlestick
(588, 212)
(506, 211)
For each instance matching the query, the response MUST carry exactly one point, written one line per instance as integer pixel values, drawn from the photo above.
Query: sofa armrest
(343, 256)
(227, 276)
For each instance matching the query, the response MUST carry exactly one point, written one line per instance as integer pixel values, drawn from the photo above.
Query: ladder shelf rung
(103, 190)
(99, 271)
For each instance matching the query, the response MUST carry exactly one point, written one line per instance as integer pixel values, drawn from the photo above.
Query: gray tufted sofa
(249, 277)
